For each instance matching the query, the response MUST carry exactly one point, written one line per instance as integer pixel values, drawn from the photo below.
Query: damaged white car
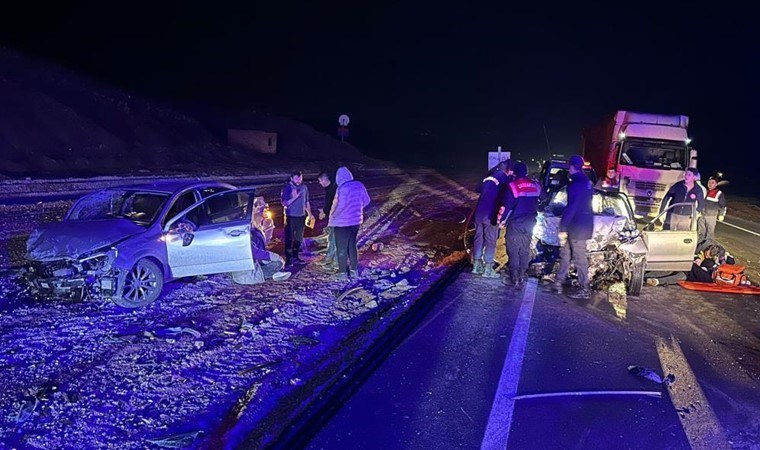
(618, 250)
(124, 243)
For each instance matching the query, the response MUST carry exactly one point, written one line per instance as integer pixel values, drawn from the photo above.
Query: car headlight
(101, 260)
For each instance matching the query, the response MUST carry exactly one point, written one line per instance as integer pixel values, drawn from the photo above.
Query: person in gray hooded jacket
(346, 215)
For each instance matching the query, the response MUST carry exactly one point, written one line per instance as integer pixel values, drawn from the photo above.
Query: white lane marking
(698, 420)
(500, 419)
(740, 228)
(656, 394)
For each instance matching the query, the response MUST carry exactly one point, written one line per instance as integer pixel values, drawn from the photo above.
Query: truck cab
(649, 152)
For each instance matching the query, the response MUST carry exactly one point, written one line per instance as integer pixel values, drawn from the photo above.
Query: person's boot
(490, 273)
(478, 267)
(515, 276)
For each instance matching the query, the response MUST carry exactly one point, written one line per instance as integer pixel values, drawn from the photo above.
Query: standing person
(325, 180)
(576, 227)
(521, 208)
(701, 222)
(610, 181)
(346, 216)
(485, 219)
(295, 202)
(684, 191)
(715, 207)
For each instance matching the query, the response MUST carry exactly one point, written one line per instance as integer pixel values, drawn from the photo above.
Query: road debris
(177, 441)
(651, 375)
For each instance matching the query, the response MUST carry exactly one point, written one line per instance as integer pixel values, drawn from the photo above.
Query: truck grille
(646, 185)
(646, 206)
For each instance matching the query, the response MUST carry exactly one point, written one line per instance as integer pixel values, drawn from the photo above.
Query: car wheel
(142, 285)
(637, 278)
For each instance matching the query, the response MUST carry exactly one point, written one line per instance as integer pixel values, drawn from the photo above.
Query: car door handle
(236, 233)
(687, 241)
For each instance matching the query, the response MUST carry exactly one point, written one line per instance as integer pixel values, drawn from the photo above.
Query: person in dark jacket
(295, 202)
(576, 227)
(325, 180)
(521, 208)
(484, 218)
(684, 191)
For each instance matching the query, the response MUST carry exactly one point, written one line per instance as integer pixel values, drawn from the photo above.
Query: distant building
(258, 141)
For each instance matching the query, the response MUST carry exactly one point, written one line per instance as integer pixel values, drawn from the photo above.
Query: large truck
(649, 152)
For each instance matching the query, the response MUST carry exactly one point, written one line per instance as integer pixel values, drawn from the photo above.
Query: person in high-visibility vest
(486, 219)
(715, 207)
(521, 208)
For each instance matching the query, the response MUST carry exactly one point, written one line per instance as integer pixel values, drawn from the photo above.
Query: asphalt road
(457, 380)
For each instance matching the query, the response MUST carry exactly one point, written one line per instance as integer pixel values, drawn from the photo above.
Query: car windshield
(655, 154)
(140, 207)
(602, 204)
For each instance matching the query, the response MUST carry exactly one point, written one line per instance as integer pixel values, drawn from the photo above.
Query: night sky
(441, 82)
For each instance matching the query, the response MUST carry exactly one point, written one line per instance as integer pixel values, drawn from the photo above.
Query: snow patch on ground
(212, 362)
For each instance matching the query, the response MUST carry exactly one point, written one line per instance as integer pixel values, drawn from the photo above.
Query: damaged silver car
(618, 249)
(124, 243)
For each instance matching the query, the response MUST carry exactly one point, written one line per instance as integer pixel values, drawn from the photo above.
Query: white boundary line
(500, 419)
(701, 425)
(740, 228)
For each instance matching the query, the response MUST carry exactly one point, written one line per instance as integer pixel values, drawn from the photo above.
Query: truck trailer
(649, 152)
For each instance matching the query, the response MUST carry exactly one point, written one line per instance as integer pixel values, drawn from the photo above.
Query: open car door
(671, 250)
(211, 236)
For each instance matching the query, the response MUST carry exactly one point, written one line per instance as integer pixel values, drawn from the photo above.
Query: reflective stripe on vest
(713, 196)
(525, 187)
(491, 179)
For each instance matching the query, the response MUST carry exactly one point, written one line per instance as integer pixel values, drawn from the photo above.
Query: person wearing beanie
(485, 220)
(521, 208)
(576, 227)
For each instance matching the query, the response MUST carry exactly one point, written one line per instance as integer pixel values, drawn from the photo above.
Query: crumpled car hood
(72, 239)
(606, 230)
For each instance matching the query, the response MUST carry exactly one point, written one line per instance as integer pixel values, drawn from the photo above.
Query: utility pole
(546, 136)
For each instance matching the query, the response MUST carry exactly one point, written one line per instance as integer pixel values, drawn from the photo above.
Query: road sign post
(343, 122)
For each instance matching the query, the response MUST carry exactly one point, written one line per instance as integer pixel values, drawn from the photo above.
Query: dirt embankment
(58, 123)
(747, 208)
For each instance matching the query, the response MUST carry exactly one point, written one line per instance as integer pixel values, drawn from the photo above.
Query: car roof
(170, 187)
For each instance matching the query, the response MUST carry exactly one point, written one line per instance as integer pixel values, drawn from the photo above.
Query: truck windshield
(654, 153)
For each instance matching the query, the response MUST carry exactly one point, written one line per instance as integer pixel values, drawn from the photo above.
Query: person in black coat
(684, 191)
(576, 227)
(326, 181)
(521, 208)
(485, 220)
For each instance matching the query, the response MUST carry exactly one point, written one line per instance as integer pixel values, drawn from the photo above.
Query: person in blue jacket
(576, 227)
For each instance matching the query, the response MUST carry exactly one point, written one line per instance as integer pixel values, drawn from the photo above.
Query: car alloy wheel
(142, 285)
